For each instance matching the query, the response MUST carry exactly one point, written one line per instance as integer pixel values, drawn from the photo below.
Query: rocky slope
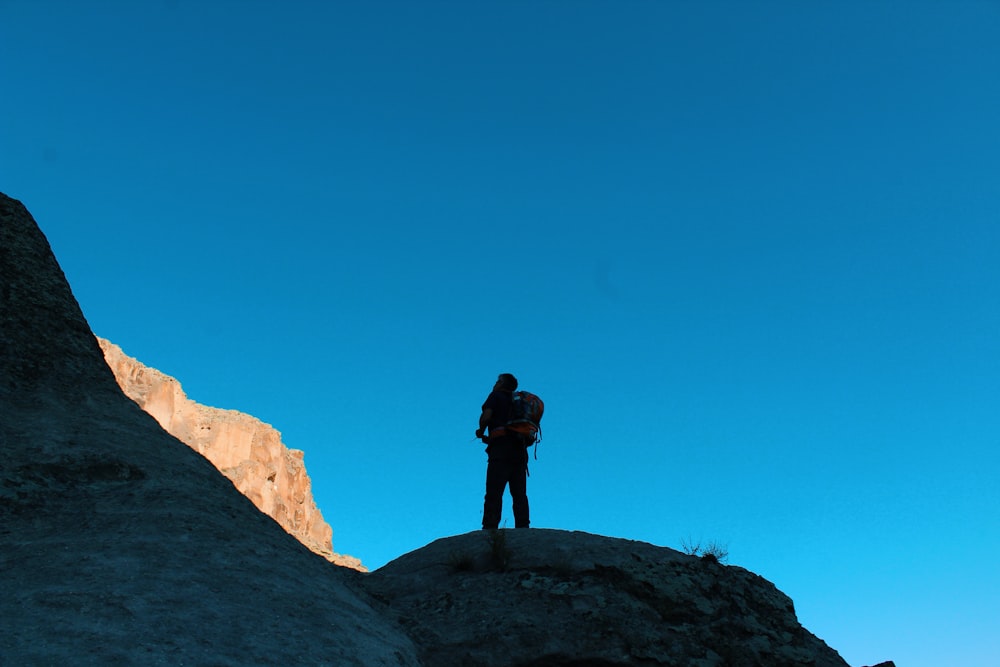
(121, 545)
(244, 449)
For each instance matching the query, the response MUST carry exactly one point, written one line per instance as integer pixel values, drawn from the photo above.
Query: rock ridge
(247, 451)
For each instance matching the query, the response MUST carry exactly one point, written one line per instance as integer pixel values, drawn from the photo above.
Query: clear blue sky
(748, 254)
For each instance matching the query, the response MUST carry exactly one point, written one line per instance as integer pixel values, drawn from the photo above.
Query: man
(508, 457)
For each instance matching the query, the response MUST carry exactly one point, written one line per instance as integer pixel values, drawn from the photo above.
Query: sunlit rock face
(119, 544)
(246, 450)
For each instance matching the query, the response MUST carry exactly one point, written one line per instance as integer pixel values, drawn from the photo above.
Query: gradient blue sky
(748, 254)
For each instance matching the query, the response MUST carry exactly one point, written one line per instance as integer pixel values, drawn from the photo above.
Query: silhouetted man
(508, 457)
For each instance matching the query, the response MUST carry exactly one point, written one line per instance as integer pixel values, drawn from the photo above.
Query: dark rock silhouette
(548, 597)
(121, 545)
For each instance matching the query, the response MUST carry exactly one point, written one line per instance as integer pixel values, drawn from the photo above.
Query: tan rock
(244, 449)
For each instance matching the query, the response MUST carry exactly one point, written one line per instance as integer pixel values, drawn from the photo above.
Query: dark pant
(501, 472)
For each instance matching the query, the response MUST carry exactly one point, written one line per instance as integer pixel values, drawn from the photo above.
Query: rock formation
(119, 544)
(244, 449)
(539, 597)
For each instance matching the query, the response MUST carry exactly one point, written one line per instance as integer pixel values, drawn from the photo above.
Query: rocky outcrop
(538, 597)
(119, 544)
(244, 449)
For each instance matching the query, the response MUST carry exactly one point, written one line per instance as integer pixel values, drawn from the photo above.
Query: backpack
(525, 415)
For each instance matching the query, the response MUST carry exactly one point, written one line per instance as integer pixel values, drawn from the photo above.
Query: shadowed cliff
(121, 545)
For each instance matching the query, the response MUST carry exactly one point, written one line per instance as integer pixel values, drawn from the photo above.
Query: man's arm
(484, 419)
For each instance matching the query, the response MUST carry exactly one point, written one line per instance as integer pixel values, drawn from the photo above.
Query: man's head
(506, 382)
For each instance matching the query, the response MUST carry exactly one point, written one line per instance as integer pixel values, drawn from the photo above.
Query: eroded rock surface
(246, 450)
(555, 598)
(120, 545)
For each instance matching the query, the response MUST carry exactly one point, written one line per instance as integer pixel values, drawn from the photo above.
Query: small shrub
(500, 553)
(713, 552)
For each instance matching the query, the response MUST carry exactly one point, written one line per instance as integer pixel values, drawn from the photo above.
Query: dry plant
(713, 552)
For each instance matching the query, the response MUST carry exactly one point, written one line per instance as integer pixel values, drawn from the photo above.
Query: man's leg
(519, 493)
(496, 480)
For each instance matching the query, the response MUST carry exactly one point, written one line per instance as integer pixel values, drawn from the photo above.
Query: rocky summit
(544, 598)
(121, 545)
